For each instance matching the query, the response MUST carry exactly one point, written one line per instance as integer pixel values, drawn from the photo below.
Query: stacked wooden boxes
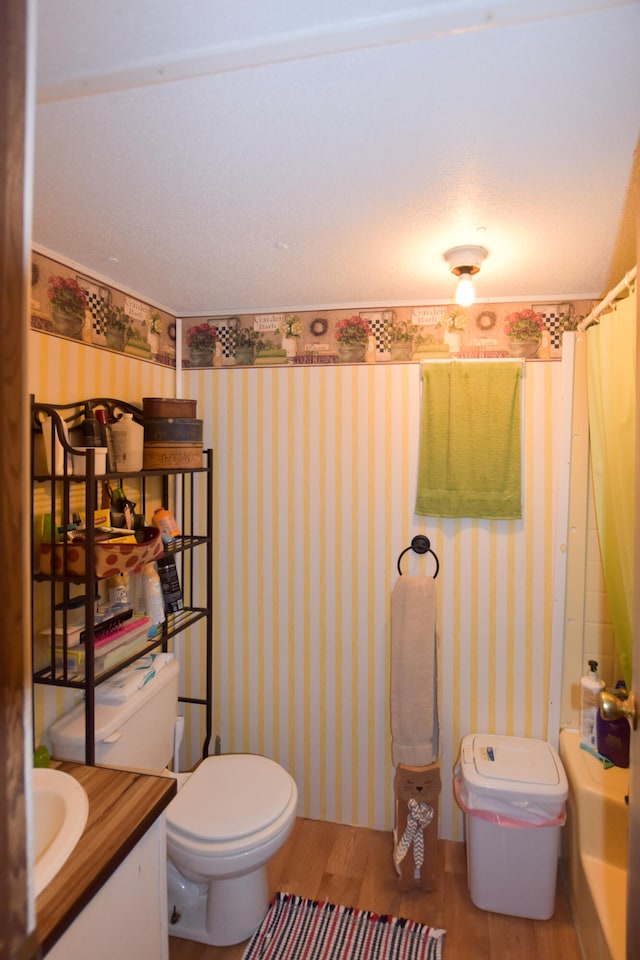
(172, 434)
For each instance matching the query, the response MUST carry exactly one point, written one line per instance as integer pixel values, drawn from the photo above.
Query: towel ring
(420, 544)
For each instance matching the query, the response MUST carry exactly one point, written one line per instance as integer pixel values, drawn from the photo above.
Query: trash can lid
(508, 766)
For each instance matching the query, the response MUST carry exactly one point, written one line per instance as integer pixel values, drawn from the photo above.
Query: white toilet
(228, 819)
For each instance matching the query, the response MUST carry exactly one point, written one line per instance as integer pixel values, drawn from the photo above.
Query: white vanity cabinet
(127, 918)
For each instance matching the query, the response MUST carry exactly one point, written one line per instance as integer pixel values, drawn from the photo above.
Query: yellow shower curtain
(611, 381)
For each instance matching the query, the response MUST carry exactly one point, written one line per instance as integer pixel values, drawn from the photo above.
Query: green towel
(470, 440)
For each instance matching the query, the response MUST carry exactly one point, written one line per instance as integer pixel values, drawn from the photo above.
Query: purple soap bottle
(613, 735)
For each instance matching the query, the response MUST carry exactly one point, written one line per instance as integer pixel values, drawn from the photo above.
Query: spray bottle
(152, 589)
(590, 687)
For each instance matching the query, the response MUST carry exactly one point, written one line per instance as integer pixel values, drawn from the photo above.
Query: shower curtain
(611, 361)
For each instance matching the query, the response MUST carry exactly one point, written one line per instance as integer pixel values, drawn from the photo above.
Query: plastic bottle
(118, 589)
(170, 582)
(41, 757)
(136, 594)
(614, 735)
(128, 439)
(590, 687)
(153, 601)
(166, 523)
(91, 432)
(107, 438)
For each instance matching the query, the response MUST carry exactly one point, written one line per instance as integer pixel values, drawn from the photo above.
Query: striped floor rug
(299, 929)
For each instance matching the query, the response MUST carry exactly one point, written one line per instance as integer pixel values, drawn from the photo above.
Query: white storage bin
(513, 792)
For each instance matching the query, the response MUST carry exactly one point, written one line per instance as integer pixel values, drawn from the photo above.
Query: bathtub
(595, 850)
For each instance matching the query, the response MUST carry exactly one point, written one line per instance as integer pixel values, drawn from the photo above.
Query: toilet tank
(137, 733)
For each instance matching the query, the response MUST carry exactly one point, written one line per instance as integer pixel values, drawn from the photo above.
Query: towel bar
(420, 544)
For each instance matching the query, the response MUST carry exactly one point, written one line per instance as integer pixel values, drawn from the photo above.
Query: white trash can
(512, 791)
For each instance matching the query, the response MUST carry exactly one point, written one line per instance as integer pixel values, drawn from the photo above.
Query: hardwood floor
(353, 866)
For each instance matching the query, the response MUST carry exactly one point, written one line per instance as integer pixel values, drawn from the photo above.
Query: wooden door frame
(17, 920)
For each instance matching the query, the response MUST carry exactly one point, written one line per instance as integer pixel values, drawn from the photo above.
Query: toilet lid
(230, 796)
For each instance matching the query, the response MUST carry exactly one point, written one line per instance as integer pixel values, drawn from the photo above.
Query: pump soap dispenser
(590, 687)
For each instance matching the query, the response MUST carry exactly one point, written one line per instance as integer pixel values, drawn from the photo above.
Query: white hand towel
(414, 676)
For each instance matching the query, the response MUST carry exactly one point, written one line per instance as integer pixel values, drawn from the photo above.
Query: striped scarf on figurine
(420, 816)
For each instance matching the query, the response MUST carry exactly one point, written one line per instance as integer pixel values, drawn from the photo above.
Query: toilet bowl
(229, 818)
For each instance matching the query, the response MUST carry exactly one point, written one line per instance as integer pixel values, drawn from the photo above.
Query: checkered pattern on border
(553, 322)
(225, 336)
(96, 298)
(94, 303)
(380, 329)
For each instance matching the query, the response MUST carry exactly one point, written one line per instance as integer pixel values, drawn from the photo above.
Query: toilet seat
(229, 803)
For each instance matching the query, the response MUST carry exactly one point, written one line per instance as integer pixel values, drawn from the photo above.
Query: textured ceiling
(223, 157)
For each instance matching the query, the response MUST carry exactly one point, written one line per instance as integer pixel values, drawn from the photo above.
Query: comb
(105, 628)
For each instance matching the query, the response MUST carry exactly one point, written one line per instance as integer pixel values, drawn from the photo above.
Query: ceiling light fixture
(465, 262)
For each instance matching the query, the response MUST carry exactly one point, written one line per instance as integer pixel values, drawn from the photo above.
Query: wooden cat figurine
(417, 792)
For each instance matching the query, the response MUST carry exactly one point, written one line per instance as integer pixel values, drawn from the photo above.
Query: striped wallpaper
(314, 480)
(314, 486)
(62, 370)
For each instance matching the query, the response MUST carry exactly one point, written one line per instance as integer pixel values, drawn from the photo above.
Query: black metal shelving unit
(64, 494)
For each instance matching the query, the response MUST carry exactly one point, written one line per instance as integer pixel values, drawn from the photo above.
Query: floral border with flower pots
(73, 306)
(304, 337)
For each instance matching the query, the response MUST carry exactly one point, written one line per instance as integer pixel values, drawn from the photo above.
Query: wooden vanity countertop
(122, 806)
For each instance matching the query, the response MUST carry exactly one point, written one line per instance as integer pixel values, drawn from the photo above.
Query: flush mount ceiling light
(464, 262)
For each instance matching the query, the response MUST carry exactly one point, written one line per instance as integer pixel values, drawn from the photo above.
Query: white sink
(60, 811)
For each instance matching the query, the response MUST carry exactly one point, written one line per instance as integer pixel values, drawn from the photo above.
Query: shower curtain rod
(625, 284)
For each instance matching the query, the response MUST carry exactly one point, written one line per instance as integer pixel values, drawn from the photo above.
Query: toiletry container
(107, 438)
(118, 589)
(128, 439)
(152, 592)
(590, 687)
(79, 460)
(166, 523)
(91, 429)
(88, 436)
(136, 594)
(613, 736)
